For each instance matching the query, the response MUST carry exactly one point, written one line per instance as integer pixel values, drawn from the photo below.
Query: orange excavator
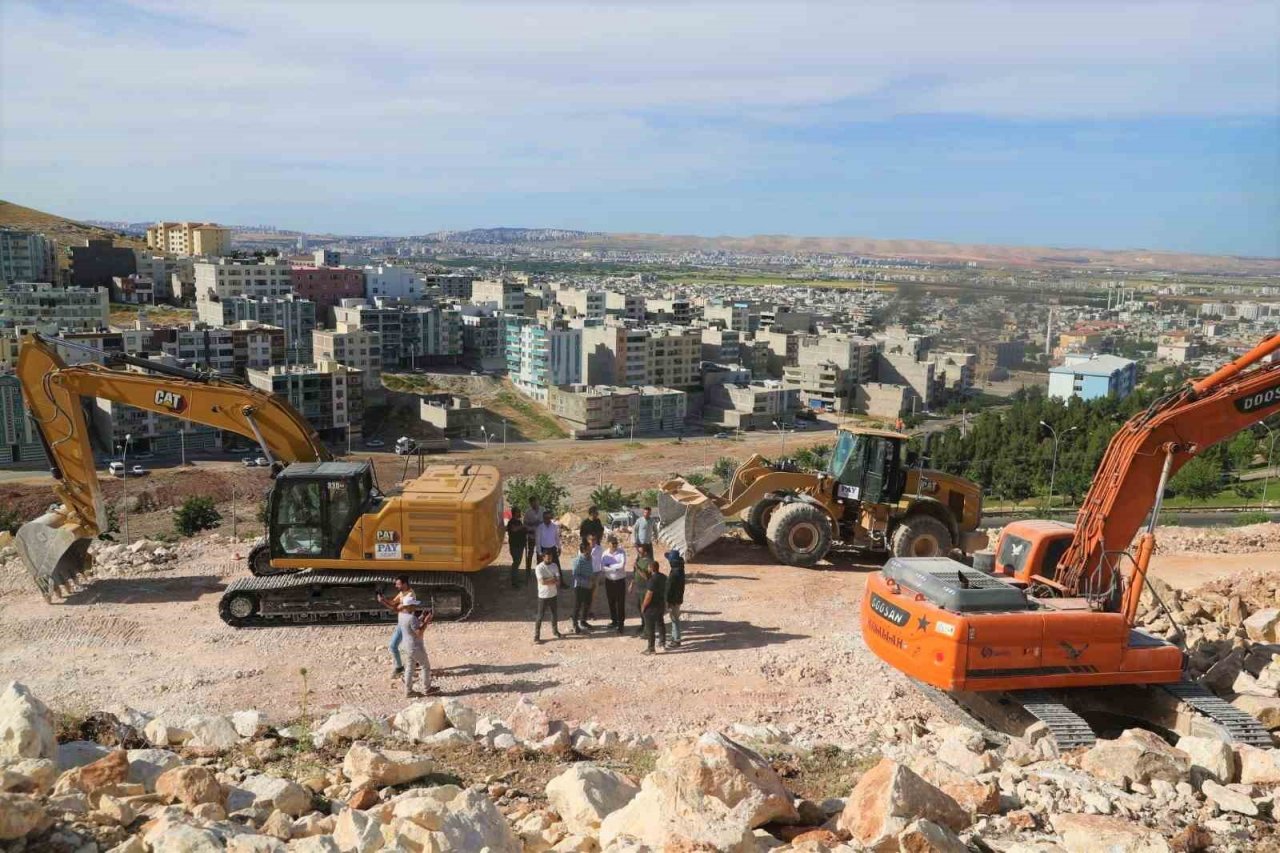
(1049, 626)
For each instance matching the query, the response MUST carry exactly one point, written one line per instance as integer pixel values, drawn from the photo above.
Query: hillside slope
(65, 232)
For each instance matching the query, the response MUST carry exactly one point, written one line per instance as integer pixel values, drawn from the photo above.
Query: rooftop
(1094, 365)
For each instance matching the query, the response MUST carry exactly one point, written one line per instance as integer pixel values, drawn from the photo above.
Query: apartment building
(624, 306)
(996, 358)
(450, 285)
(676, 310)
(822, 385)
(19, 441)
(228, 351)
(594, 411)
(329, 395)
(358, 348)
(389, 282)
(483, 339)
(133, 289)
(742, 317)
(454, 416)
(505, 294)
(26, 256)
(326, 258)
(141, 341)
(202, 239)
(327, 286)
(296, 316)
(848, 352)
(539, 355)
(586, 303)
(722, 345)
(749, 405)
(783, 350)
(1090, 377)
(175, 278)
(97, 262)
(218, 279)
(918, 375)
(1178, 347)
(675, 356)
(953, 372)
(46, 308)
(615, 355)
(785, 319)
(412, 335)
(883, 400)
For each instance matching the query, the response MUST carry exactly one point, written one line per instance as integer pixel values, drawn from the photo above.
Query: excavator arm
(1173, 429)
(54, 546)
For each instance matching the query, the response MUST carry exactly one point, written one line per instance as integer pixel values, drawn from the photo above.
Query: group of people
(599, 562)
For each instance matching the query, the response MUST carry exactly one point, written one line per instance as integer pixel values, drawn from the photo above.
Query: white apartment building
(174, 277)
(624, 306)
(216, 280)
(539, 356)
(358, 348)
(45, 308)
(389, 282)
(505, 294)
(26, 256)
(412, 335)
(586, 303)
(329, 395)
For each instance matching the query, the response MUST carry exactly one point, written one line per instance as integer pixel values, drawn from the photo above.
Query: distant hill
(513, 235)
(65, 232)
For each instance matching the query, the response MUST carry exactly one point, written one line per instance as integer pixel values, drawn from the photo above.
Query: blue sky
(1087, 123)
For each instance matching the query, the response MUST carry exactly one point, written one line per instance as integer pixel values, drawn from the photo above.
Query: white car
(138, 471)
(261, 462)
(375, 442)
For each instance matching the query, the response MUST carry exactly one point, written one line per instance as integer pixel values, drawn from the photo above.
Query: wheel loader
(873, 496)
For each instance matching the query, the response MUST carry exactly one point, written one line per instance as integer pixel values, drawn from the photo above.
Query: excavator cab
(314, 505)
(867, 466)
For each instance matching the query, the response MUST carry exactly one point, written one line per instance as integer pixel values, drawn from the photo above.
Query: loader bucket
(53, 554)
(690, 518)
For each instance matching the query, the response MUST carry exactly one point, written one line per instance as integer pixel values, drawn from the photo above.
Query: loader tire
(921, 536)
(757, 521)
(799, 534)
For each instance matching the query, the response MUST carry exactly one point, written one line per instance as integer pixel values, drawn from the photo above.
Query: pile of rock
(1233, 648)
(1252, 538)
(368, 784)
(141, 555)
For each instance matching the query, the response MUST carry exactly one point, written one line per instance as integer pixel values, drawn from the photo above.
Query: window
(299, 519)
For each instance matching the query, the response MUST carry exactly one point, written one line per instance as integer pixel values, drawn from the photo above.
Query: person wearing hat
(413, 619)
(675, 594)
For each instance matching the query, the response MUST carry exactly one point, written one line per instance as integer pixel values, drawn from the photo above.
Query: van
(116, 469)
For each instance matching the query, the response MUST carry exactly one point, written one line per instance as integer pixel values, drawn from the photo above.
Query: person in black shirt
(655, 602)
(675, 594)
(517, 541)
(591, 526)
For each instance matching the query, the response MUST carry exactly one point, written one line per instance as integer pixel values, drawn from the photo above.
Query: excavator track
(1069, 729)
(1235, 725)
(308, 597)
(954, 712)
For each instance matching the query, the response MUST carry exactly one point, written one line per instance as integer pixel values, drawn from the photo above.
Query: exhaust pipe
(54, 552)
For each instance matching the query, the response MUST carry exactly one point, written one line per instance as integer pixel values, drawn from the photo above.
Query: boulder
(255, 844)
(473, 822)
(28, 775)
(314, 844)
(925, 836)
(731, 773)
(1263, 626)
(313, 824)
(426, 812)
(528, 721)
(78, 753)
(357, 832)
(975, 795)
(421, 720)
(1091, 833)
(1223, 674)
(1247, 685)
(162, 733)
(1210, 759)
(449, 738)
(270, 792)
(21, 815)
(90, 779)
(1229, 800)
(189, 785)
(460, 715)
(115, 810)
(1257, 766)
(1265, 709)
(211, 733)
(249, 723)
(364, 764)
(585, 794)
(668, 813)
(557, 743)
(345, 726)
(888, 798)
(146, 765)
(26, 725)
(1136, 756)
(278, 825)
(171, 836)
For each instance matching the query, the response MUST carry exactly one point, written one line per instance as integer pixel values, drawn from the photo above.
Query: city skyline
(1131, 125)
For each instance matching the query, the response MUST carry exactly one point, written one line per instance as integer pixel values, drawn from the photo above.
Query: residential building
(822, 385)
(996, 358)
(329, 395)
(1092, 376)
(783, 350)
(451, 285)
(505, 294)
(388, 282)
(675, 356)
(412, 335)
(47, 308)
(454, 416)
(624, 306)
(918, 375)
(615, 355)
(19, 441)
(749, 405)
(97, 262)
(785, 319)
(676, 310)
(327, 286)
(202, 239)
(141, 341)
(722, 345)
(218, 279)
(327, 258)
(540, 355)
(358, 348)
(743, 317)
(133, 289)
(296, 316)
(854, 354)
(883, 400)
(1178, 347)
(483, 339)
(594, 411)
(26, 256)
(586, 303)
(175, 278)
(953, 372)
(229, 351)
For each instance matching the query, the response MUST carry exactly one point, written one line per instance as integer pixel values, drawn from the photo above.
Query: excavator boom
(55, 545)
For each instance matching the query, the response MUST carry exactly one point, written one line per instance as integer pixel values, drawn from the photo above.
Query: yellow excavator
(332, 538)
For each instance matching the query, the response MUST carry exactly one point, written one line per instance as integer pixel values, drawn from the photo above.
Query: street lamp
(1266, 479)
(782, 434)
(124, 465)
(1053, 472)
(182, 443)
(504, 433)
(485, 433)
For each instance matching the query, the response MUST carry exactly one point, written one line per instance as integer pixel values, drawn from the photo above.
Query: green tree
(1241, 450)
(813, 458)
(649, 497)
(1246, 490)
(548, 491)
(196, 513)
(1199, 479)
(609, 498)
(724, 468)
(697, 478)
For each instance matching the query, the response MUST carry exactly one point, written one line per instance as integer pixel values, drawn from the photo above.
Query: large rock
(585, 794)
(426, 812)
(421, 720)
(1136, 756)
(473, 822)
(1223, 674)
(925, 836)
(357, 832)
(528, 721)
(90, 779)
(315, 844)
(249, 723)
(189, 785)
(1210, 759)
(888, 798)
(1263, 626)
(732, 774)
(211, 733)
(163, 733)
(669, 814)
(146, 765)
(1265, 710)
(255, 844)
(1091, 833)
(976, 795)
(78, 753)
(345, 726)
(28, 775)
(364, 764)
(1257, 766)
(21, 815)
(965, 750)
(460, 715)
(272, 793)
(26, 725)
(1229, 800)
(170, 836)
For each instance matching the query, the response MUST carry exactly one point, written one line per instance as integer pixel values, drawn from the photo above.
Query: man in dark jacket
(653, 605)
(675, 594)
(591, 526)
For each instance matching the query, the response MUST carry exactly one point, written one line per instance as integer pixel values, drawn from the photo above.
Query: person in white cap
(413, 619)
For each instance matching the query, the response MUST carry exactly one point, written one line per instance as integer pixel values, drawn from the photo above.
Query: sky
(1088, 123)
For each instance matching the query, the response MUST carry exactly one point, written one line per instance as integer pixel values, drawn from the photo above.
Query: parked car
(723, 435)
(116, 469)
(249, 462)
(138, 471)
(375, 442)
(261, 462)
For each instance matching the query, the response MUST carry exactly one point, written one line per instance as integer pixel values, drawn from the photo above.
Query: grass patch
(530, 419)
(825, 771)
(409, 383)
(1254, 516)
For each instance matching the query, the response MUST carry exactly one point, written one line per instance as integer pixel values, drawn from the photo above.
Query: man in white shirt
(532, 518)
(548, 575)
(597, 552)
(613, 562)
(547, 537)
(645, 529)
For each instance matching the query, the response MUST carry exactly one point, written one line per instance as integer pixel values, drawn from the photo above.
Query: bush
(196, 513)
(549, 493)
(724, 468)
(9, 520)
(649, 498)
(609, 498)
(1200, 478)
(1255, 516)
(697, 479)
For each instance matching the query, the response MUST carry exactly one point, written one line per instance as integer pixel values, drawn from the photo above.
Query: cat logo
(171, 401)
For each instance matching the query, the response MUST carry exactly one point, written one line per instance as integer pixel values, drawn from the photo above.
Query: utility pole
(1048, 334)
(1266, 479)
(182, 443)
(504, 433)
(1053, 471)
(235, 531)
(782, 434)
(124, 463)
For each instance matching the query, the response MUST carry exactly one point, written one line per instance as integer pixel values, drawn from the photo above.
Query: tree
(9, 520)
(609, 498)
(1246, 490)
(1199, 479)
(1241, 450)
(548, 491)
(724, 469)
(649, 497)
(697, 479)
(196, 513)
(813, 458)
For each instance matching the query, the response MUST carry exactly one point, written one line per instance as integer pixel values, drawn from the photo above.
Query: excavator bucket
(53, 552)
(691, 518)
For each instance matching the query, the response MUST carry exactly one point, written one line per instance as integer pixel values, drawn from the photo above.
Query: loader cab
(313, 506)
(867, 465)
